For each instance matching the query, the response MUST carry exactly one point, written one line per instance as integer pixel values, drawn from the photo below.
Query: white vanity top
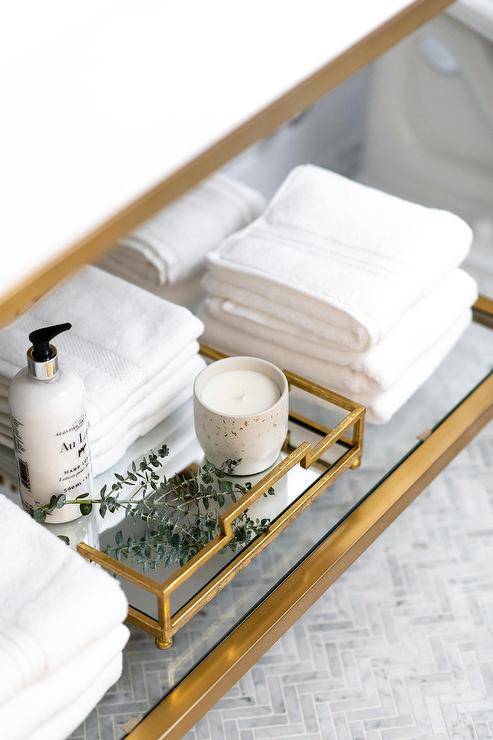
(104, 98)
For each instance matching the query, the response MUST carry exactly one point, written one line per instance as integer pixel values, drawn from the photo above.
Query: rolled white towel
(346, 255)
(53, 604)
(381, 405)
(171, 246)
(382, 365)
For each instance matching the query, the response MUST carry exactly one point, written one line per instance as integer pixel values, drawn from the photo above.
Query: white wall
(330, 133)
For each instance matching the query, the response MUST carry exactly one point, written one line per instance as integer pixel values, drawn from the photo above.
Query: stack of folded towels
(171, 247)
(61, 631)
(136, 353)
(354, 288)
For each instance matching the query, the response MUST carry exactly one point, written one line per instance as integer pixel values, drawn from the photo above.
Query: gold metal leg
(163, 644)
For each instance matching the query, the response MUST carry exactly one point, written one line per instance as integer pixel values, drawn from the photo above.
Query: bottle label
(52, 464)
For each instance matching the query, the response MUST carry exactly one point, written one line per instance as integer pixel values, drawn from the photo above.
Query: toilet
(429, 133)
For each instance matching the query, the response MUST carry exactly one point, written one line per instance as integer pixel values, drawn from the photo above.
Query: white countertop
(104, 98)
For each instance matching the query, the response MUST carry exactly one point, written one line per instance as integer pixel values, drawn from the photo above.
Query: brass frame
(265, 122)
(483, 311)
(167, 624)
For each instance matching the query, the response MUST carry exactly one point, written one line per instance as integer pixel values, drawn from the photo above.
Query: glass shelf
(386, 446)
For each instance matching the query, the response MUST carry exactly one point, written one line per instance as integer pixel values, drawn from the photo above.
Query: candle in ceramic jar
(240, 392)
(241, 409)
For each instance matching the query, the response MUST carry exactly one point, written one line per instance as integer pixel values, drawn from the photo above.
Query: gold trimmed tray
(346, 435)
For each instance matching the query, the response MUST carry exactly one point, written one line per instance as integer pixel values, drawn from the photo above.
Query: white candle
(240, 392)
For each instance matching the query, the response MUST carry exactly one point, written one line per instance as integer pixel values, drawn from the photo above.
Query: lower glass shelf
(385, 448)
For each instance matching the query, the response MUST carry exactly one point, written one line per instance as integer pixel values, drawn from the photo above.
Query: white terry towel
(121, 336)
(176, 430)
(349, 256)
(53, 604)
(135, 352)
(385, 405)
(61, 724)
(171, 246)
(381, 406)
(111, 444)
(60, 700)
(361, 372)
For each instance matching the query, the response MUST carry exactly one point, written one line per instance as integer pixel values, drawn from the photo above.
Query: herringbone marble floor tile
(402, 645)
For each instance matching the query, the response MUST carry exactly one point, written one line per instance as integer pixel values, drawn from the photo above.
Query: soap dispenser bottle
(49, 424)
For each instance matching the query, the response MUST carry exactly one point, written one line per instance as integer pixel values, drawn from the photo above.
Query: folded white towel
(172, 245)
(221, 287)
(121, 336)
(177, 431)
(385, 405)
(342, 253)
(148, 399)
(71, 716)
(134, 351)
(361, 372)
(187, 292)
(381, 405)
(113, 455)
(55, 704)
(53, 604)
(153, 394)
(166, 393)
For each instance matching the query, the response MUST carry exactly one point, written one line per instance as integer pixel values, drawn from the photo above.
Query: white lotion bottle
(49, 424)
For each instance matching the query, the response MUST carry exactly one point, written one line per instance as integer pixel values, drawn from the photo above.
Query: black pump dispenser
(41, 338)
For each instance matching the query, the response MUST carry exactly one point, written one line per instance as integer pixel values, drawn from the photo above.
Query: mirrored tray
(314, 455)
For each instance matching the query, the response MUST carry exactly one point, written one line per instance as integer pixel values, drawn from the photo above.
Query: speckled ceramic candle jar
(255, 438)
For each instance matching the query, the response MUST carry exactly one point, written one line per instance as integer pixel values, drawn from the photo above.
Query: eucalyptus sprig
(144, 477)
(180, 513)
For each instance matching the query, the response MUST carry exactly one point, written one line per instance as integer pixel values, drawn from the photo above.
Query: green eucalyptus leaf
(179, 515)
